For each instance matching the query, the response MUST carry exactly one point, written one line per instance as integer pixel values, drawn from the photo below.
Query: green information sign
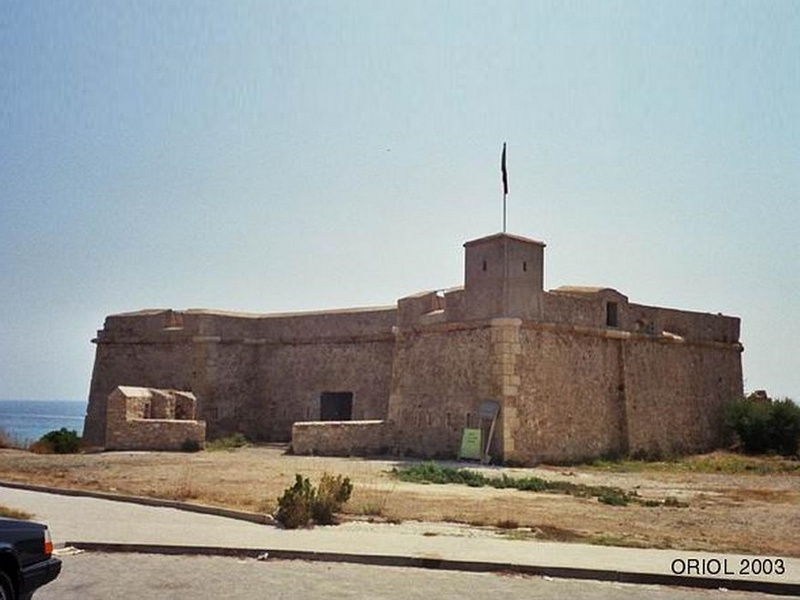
(471, 444)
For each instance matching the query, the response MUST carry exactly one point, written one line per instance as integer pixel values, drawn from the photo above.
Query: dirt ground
(746, 511)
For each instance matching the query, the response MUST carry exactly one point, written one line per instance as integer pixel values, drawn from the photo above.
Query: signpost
(470, 444)
(488, 410)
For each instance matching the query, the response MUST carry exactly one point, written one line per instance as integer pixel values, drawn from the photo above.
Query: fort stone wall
(294, 377)
(252, 374)
(676, 394)
(569, 405)
(577, 372)
(440, 375)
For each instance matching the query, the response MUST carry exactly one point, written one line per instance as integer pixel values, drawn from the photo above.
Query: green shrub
(63, 441)
(190, 446)
(302, 503)
(237, 440)
(332, 494)
(763, 425)
(528, 484)
(294, 506)
(614, 499)
(432, 473)
(673, 502)
(785, 427)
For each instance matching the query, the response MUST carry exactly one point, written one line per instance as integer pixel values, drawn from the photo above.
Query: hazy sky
(279, 156)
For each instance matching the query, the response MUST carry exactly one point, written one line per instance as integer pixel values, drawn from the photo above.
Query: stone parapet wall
(694, 326)
(574, 310)
(340, 438)
(155, 434)
(170, 326)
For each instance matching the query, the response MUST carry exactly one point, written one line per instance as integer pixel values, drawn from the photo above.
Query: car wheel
(6, 589)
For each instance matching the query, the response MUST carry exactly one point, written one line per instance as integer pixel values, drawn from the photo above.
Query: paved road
(97, 576)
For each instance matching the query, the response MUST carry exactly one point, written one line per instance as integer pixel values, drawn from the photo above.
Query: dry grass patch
(745, 510)
(720, 461)
(14, 513)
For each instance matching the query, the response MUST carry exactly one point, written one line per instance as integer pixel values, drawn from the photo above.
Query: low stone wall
(340, 438)
(156, 434)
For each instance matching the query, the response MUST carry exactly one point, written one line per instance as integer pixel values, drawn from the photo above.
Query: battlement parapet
(155, 326)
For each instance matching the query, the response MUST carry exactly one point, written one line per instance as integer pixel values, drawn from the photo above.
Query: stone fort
(576, 372)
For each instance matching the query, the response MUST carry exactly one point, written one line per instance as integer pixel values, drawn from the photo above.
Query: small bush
(332, 494)
(673, 502)
(63, 441)
(613, 499)
(14, 513)
(762, 425)
(237, 440)
(785, 427)
(507, 524)
(10, 441)
(302, 503)
(294, 506)
(5, 439)
(190, 446)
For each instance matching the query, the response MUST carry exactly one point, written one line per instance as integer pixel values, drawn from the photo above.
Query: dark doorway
(336, 406)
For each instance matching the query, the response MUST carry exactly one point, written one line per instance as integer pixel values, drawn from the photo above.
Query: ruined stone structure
(150, 419)
(578, 372)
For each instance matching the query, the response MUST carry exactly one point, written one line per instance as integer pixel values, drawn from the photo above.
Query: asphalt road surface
(98, 576)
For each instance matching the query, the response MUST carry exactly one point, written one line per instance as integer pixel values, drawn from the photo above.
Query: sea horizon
(25, 420)
(14, 399)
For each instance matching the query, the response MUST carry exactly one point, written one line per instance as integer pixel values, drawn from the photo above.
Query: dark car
(26, 561)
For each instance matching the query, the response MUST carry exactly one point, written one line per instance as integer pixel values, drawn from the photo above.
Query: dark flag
(504, 171)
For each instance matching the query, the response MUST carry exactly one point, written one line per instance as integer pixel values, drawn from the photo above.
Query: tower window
(525, 266)
(612, 314)
(484, 265)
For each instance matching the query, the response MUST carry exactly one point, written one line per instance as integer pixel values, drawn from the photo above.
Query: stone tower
(504, 277)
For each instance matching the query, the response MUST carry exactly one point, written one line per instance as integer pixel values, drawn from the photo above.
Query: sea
(25, 421)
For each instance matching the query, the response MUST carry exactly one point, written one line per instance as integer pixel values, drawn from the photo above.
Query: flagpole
(504, 212)
(504, 173)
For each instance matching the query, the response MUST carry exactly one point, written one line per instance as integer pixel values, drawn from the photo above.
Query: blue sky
(280, 156)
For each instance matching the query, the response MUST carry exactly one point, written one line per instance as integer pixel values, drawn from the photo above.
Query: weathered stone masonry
(151, 419)
(578, 371)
